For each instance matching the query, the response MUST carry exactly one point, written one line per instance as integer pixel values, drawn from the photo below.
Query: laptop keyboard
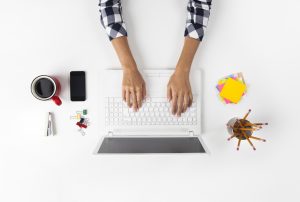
(154, 111)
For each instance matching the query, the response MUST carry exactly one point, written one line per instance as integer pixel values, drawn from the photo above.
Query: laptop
(153, 129)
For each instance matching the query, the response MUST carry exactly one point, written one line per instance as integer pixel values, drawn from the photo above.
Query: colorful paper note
(233, 90)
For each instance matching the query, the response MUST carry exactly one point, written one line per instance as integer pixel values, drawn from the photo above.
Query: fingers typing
(139, 97)
(128, 98)
(174, 104)
(179, 105)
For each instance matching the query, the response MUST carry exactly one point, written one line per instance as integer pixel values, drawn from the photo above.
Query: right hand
(133, 88)
(179, 92)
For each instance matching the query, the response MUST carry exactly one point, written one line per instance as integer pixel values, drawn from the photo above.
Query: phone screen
(77, 84)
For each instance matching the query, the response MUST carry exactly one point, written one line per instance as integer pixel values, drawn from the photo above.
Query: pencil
(257, 138)
(253, 125)
(246, 136)
(234, 128)
(247, 114)
(232, 136)
(260, 124)
(240, 124)
(239, 142)
(245, 129)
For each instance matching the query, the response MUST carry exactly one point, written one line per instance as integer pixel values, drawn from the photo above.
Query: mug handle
(56, 100)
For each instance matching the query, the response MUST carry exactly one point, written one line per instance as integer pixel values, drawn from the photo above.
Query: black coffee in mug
(44, 88)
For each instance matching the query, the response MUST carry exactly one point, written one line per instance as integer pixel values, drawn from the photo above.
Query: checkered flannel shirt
(196, 22)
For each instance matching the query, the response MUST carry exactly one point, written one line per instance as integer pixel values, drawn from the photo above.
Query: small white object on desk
(50, 130)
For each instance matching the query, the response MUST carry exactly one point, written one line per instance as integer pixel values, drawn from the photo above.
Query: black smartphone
(77, 86)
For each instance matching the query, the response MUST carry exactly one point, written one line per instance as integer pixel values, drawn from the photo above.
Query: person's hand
(133, 88)
(179, 92)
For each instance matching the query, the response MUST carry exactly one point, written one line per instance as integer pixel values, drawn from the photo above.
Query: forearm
(187, 54)
(133, 84)
(123, 51)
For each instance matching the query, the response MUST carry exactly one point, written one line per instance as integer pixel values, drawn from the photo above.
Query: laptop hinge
(146, 132)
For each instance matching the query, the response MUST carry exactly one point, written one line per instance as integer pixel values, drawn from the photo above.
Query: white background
(258, 38)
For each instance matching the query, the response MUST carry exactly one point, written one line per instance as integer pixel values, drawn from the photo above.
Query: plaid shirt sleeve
(111, 18)
(196, 23)
(197, 19)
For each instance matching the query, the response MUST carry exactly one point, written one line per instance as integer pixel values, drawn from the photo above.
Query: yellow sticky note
(233, 90)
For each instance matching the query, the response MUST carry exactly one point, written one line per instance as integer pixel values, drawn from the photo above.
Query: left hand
(179, 92)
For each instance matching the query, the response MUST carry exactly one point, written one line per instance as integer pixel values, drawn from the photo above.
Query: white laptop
(153, 129)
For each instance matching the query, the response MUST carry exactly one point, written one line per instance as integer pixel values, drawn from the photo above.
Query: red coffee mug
(45, 88)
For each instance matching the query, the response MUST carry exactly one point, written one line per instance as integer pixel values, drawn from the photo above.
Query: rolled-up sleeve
(197, 19)
(111, 18)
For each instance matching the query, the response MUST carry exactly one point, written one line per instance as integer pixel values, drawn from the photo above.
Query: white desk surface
(258, 38)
